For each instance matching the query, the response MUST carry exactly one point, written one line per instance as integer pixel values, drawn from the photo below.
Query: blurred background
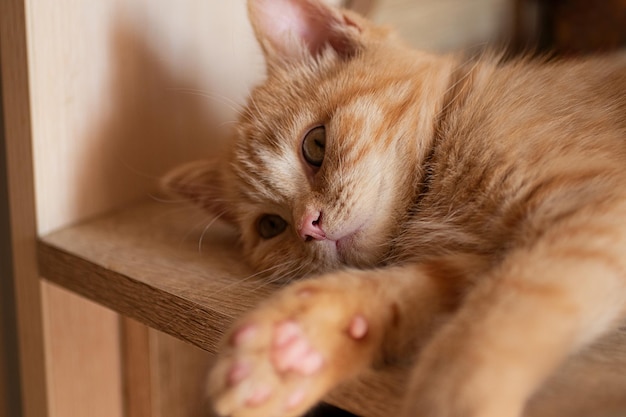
(557, 26)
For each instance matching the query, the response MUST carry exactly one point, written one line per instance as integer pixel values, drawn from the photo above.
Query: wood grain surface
(144, 262)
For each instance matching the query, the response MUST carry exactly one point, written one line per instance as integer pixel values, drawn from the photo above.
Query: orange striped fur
(485, 200)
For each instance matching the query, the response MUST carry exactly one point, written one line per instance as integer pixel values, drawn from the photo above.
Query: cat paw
(284, 357)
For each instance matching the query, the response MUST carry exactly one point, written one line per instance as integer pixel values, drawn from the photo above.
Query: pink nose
(309, 227)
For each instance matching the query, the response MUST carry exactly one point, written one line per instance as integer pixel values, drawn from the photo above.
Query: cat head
(328, 150)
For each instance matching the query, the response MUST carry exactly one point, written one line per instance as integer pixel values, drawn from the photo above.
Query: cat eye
(271, 225)
(314, 146)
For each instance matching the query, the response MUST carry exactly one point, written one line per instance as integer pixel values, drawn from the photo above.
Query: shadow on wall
(155, 119)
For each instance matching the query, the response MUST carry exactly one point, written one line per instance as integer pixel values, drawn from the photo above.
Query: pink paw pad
(243, 335)
(238, 373)
(358, 327)
(292, 351)
(259, 396)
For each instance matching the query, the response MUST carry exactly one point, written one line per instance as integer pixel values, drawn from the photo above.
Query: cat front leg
(283, 357)
(522, 320)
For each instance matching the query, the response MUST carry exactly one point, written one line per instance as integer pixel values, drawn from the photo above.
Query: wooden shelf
(145, 262)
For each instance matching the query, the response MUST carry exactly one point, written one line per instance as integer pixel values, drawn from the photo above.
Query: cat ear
(202, 182)
(291, 30)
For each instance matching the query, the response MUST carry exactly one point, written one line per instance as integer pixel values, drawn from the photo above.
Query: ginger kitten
(468, 214)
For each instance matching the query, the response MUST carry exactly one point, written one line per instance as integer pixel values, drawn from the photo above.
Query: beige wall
(108, 81)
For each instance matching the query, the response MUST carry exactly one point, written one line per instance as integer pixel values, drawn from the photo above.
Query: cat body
(469, 214)
(517, 151)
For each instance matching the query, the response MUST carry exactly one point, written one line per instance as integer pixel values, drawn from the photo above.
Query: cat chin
(345, 249)
(354, 250)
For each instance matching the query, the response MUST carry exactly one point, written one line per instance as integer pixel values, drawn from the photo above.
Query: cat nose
(309, 227)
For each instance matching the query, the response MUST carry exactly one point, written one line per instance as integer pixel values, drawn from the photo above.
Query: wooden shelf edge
(120, 293)
(143, 262)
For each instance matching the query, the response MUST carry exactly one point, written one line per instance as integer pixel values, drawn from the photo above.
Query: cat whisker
(234, 106)
(195, 227)
(190, 209)
(256, 107)
(206, 228)
(285, 278)
(136, 171)
(203, 93)
(178, 209)
(255, 275)
(228, 122)
(164, 200)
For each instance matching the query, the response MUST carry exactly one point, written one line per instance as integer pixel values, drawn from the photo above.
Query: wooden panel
(137, 373)
(167, 381)
(84, 358)
(179, 373)
(9, 371)
(5, 397)
(21, 208)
